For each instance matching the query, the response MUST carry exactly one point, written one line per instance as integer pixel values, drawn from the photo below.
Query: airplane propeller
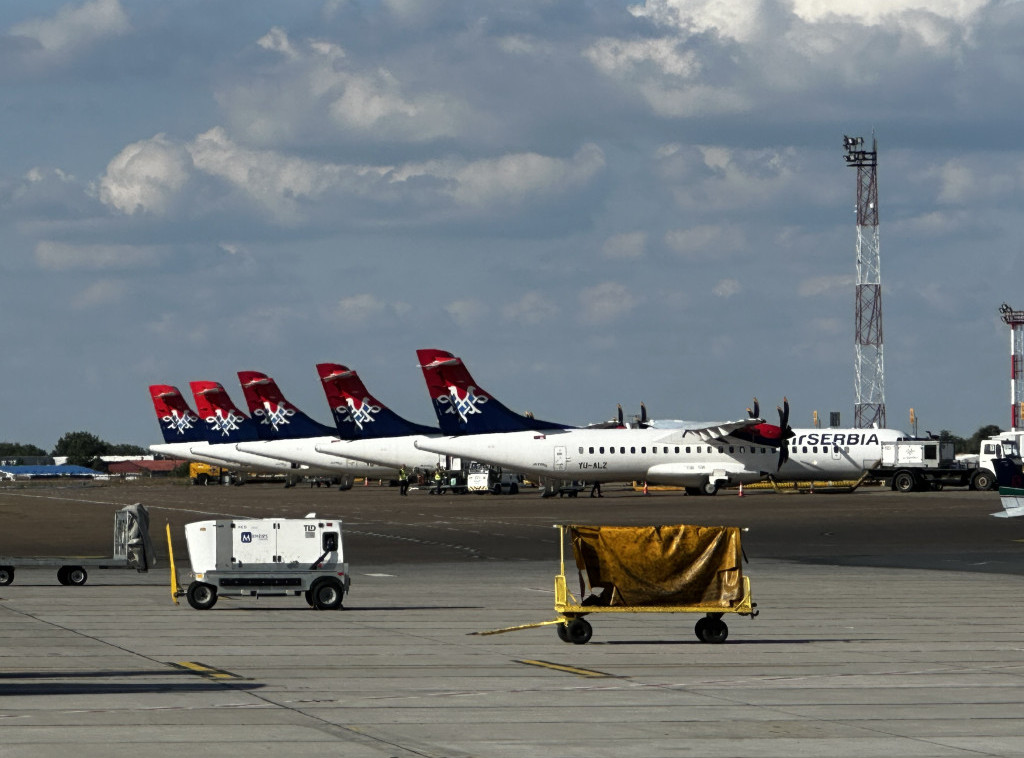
(756, 411)
(785, 431)
(643, 415)
(618, 414)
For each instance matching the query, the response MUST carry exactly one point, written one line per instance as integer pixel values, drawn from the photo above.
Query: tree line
(80, 448)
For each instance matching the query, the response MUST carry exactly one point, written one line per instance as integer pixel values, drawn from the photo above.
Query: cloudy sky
(592, 203)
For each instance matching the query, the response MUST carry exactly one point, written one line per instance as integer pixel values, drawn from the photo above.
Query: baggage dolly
(700, 565)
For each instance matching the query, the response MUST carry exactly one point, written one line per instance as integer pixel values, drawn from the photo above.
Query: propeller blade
(643, 415)
(756, 412)
(619, 414)
(786, 431)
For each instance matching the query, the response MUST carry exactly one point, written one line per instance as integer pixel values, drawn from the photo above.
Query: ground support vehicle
(483, 479)
(264, 557)
(651, 569)
(930, 464)
(132, 550)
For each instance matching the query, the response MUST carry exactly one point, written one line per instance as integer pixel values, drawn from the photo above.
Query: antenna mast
(869, 376)
(1015, 320)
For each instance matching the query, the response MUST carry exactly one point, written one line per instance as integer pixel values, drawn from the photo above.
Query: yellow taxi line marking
(566, 669)
(206, 671)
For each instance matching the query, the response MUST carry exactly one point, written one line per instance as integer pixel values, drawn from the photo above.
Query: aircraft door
(837, 453)
(559, 463)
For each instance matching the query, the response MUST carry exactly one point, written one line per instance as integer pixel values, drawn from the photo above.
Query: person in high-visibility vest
(437, 480)
(403, 481)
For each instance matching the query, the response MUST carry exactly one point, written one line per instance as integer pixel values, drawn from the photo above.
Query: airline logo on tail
(465, 406)
(274, 416)
(224, 421)
(179, 422)
(362, 414)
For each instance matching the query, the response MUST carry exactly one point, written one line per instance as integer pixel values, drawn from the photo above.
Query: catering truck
(264, 557)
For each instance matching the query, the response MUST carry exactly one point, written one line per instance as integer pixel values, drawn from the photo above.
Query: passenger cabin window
(591, 451)
(622, 450)
(581, 451)
(677, 449)
(643, 449)
(632, 450)
(602, 450)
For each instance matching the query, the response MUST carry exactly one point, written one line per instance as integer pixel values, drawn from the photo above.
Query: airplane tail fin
(277, 419)
(224, 422)
(357, 413)
(462, 407)
(178, 422)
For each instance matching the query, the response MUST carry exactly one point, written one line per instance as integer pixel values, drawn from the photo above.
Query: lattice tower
(869, 365)
(1015, 319)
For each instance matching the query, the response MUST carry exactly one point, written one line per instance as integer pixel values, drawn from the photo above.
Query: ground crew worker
(437, 480)
(403, 481)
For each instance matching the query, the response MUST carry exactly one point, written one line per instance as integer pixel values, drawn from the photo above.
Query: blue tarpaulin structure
(35, 472)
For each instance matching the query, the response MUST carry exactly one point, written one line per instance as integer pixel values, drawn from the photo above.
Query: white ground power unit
(263, 557)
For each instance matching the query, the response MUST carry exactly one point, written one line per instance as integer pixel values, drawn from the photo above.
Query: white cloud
(606, 302)
(726, 288)
(75, 27)
(629, 246)
(59, 256)
(145, 176)
(103, 292)
(467, 314)
(706, 241)
(359, 309)
(532, 308)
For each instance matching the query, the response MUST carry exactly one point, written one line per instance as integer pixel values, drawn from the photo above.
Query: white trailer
(272, 556)
(132, 550)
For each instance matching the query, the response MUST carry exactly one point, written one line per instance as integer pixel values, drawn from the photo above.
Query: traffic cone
(645, 487)
(741, 489)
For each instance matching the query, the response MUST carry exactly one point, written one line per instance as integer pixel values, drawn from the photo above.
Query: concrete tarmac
(890, 625)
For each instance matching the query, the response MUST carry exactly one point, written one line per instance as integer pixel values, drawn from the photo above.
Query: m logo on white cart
(246, 537)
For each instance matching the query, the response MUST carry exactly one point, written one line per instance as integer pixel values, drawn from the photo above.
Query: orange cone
(741, 489)
(645, 487)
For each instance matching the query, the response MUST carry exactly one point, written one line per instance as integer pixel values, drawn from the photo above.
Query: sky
(591, 203)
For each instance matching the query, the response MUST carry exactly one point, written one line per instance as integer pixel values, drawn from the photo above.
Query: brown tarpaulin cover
(660, 565)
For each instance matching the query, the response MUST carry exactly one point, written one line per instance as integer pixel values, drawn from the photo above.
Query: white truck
(921, 464)
(272, 556)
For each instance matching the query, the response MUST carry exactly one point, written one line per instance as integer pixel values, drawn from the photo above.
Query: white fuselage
(394, 452)
(834, 453)
(225, 454)
(304, 452)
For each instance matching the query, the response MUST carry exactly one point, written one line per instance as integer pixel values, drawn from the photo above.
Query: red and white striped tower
(1015, 319)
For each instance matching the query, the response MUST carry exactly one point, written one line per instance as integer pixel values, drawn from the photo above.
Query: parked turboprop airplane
(701, 457)
(290, 435)
(367, 429)
(187, 436)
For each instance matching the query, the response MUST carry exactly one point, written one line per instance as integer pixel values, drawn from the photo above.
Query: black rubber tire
(904, 481)
(714, 631)
(982, 480)
(327, 594)
(563, 632)
(513, 489)
(62, 575)
(201, 596)
(309, 598)
(76, 575)
(346, 483)
(694, 491)
(6, 575)
(698, 628)
(496, 489)
(710, 488)
(579, 631)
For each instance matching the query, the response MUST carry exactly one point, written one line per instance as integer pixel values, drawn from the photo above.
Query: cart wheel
(327, 594)
(698, 628)
(201, 596)
(62, 575)
(75, 575)
(579, 631)
(563, 632)
(714, 631)
(6, 575)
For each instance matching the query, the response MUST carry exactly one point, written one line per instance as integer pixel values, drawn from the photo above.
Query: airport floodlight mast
(869, 372)
(1015, 319)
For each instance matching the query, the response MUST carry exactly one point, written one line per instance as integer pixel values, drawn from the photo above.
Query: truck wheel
(346, 483)
(201, 596)
(513, 489)
(75, 575)
(6, 575)
(496, 489)
(904, 481)
(327, 594)
(982, 480)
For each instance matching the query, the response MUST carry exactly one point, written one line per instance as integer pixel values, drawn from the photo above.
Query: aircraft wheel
(710, 488)
(693, 491)
(75, 575)
(201, 596)
(6, 575)
(327, 594)
(579, 631)
(714, 631)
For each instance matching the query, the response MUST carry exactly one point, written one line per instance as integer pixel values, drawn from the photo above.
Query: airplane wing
(705, 431)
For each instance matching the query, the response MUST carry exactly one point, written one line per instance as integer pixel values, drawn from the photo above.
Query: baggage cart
(263, 557)
(132, 550)
(650, 569)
